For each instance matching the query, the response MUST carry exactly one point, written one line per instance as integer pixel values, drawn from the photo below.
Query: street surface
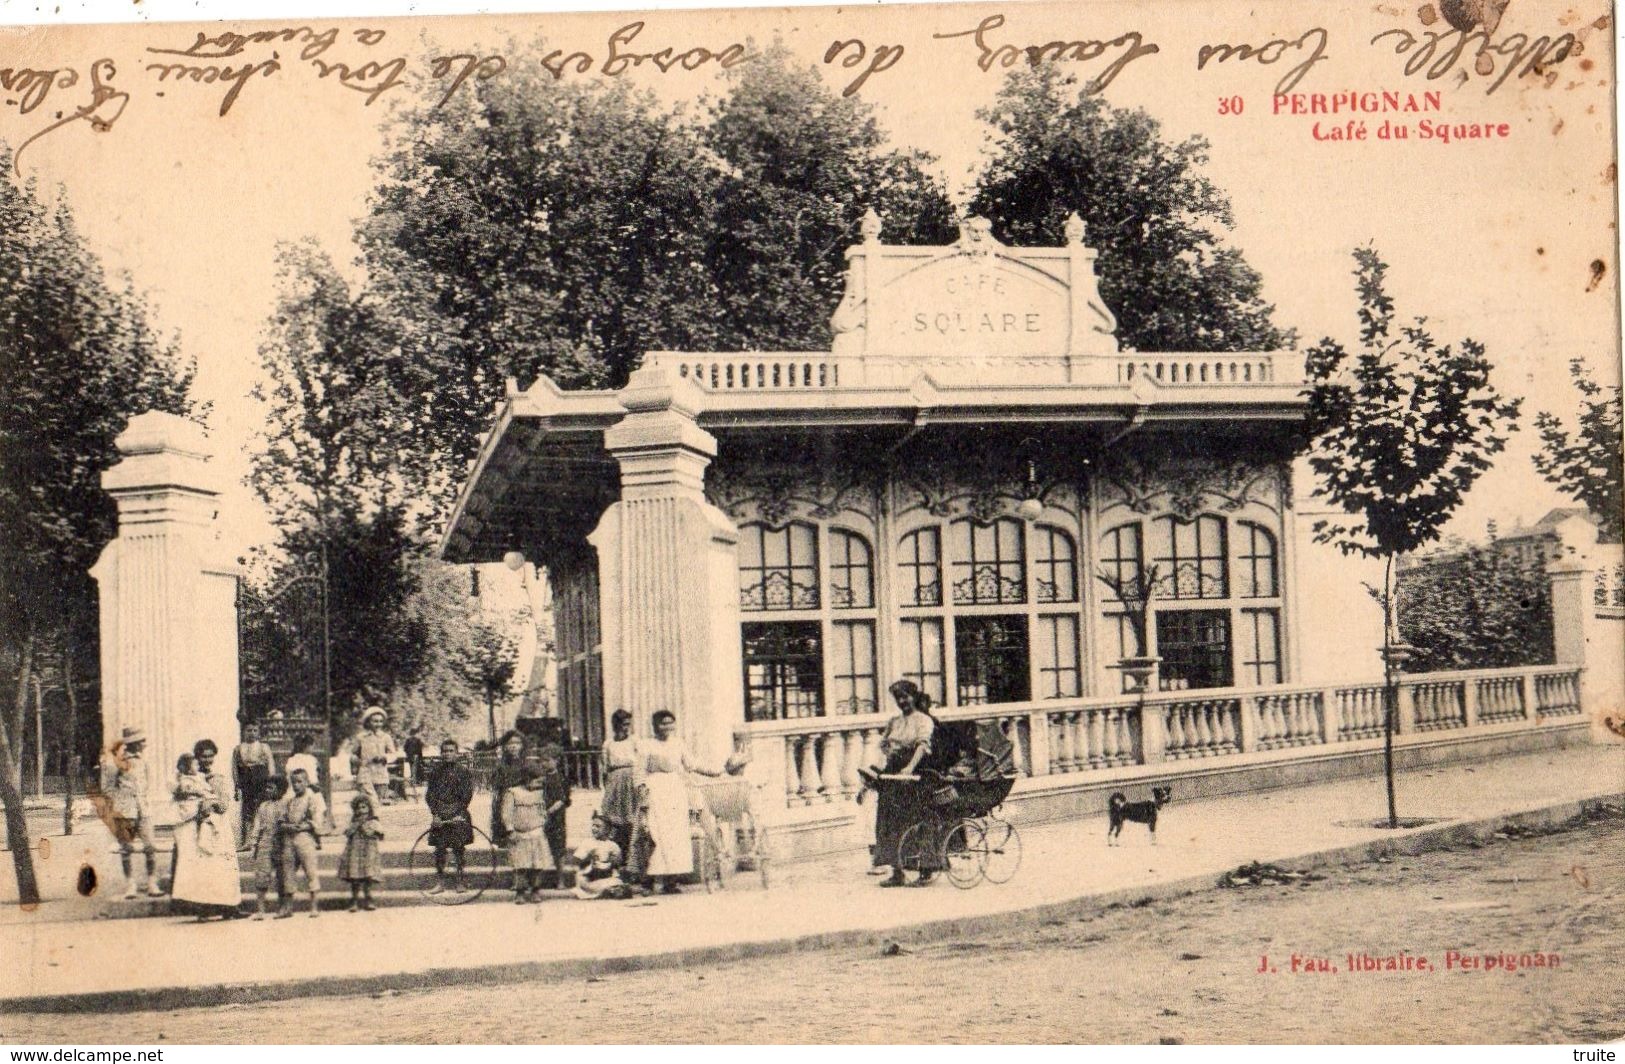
(1185, 971)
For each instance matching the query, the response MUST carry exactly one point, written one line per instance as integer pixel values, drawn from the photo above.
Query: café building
(966, 491)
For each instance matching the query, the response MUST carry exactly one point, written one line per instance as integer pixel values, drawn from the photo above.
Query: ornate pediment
(976, 300)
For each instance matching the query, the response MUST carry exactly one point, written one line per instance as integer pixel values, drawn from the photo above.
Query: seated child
(598, 864)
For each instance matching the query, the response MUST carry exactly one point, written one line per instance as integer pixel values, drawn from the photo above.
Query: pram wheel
(919, 848)
(964, 854)
(1003, 844)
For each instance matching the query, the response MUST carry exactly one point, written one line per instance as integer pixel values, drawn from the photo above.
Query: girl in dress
(622, 775)
(359, 864)
(525, 810)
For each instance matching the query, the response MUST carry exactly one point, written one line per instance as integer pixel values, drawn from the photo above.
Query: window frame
(827, 614)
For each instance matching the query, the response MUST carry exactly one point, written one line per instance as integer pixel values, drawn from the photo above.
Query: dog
(1120, 809)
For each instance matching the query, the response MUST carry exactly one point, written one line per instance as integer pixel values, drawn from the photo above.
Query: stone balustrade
(1197, 369)
(814, 761)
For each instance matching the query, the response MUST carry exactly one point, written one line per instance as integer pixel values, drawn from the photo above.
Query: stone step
(328, 901)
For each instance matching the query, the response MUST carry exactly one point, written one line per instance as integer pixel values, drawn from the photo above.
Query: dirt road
(1186, 970)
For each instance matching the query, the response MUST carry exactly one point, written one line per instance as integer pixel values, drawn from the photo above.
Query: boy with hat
(125, 787)
(375, 750)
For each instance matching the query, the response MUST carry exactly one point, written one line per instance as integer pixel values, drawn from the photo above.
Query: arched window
(778, 567)
(809, 648)
(988, 564)
(1257, 573)
(1055, 564)
(1214, 619)
(1190, 557)
(851, 573)
(1124, 556)
(919, 565)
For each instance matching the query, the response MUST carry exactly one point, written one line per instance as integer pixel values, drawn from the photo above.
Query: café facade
(966, 491)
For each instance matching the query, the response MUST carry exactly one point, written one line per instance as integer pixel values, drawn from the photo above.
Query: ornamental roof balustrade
(975, 312)
(966, 335)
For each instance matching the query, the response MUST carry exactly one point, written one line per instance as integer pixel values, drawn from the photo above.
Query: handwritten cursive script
(1130, 46)
(103, 109)
(1435, 54)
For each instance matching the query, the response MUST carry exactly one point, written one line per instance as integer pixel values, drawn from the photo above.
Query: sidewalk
(170, 962)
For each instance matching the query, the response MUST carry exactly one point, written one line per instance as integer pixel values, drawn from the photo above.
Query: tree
(1483, 607)
(488, 661)
(77, 359)
(1151, 213)
(1587, 464)
(1397, 432)
(534, 226)
(800, 167)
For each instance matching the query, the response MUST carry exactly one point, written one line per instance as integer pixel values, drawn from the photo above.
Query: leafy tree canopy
(1587, 464)
(1150, 211)
(1483, 607)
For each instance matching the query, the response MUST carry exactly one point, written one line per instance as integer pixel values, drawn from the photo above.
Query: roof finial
(870, 227)
(1075, 229)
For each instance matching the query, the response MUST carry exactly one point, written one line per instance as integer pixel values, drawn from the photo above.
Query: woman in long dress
(902, 804)
(622, 774)
(207, 880)
(666, 764)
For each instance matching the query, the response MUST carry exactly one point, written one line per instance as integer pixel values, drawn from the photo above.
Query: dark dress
(450, 790)
(555, 788)
(413, 748)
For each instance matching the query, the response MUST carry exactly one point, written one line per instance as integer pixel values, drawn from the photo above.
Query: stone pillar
(1585, 633)
(668, 573)
(168, 596)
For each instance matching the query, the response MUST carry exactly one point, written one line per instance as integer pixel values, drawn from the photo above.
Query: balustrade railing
(1557, 694)
(1439, 705)
(815, 761)
(1103, 737)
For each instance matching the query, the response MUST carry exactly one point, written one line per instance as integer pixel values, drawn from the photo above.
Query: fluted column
(668, 572)
(167, 595)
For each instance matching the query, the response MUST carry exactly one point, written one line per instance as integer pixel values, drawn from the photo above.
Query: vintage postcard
(943, 523)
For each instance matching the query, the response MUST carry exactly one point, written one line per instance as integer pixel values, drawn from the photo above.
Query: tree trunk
(39, 738)
(1390, 688)
(11, 771)
(72, 766)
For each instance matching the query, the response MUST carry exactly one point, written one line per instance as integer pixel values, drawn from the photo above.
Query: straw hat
(132, 735)
(375, 711)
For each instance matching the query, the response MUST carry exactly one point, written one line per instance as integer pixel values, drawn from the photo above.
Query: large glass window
(778, 568)
(1260, 647)
(1055, 565)
(783, 670)
(1232, 570)
(810, 648)
(1191, 558)
(990, 657)
(851, 574)
(988, 566)
(920, 654)
(1124, 554)
(1195, 648)
(1257, 571)
(1056, 648)
(852, 665)
(919, 564)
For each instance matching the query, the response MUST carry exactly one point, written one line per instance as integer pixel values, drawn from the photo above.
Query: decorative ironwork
(1192, 487)
(778, 591)
(1187, 581)
(775, 494)
(284, 657)
(926, 593)
(986, 585)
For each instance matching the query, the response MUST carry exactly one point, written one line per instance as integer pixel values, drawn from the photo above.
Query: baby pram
(951, 804)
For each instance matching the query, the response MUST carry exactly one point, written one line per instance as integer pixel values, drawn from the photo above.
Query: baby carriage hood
(995, 756)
